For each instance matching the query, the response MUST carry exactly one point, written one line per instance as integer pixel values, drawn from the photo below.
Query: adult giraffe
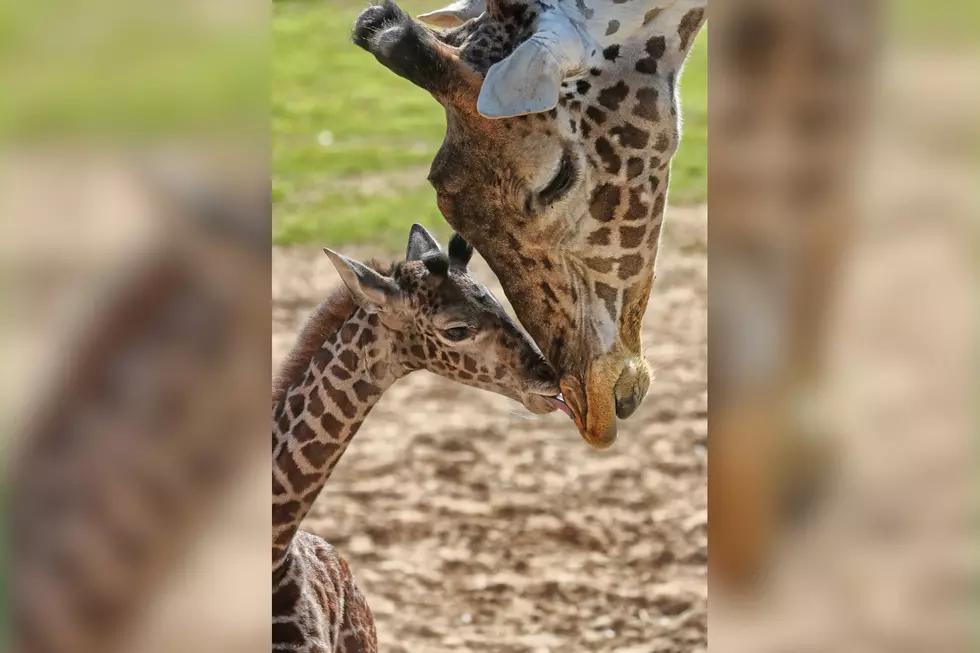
(561, 122)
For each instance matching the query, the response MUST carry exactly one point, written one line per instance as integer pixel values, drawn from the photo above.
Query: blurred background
(843, 208)
(134, 199)
(134, 209)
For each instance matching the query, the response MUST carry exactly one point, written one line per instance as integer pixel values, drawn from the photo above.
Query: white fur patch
(529, 80)
(454, 14)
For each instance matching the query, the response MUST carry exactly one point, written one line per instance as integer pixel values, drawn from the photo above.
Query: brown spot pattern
(655, 49)
(316, 404)
(654, 236)
(605, 199)
(340, 373)
(631, 136)
(287, 633)
(651, 15)
(348, 332)
(331, 425)
(599, 236)
(349, 359)
(689, 25)
(611, 162)
(646, 104)
(302, 432)
(595, 114)
(297, 402)
(637, 209)
(365, 390)
(599, 264)
(614, 95)
(340, 400)
(658, 204)
(284, 512)
(632, 236)
(634, 168)
(284, 598)
(630, 266)
(319, 453)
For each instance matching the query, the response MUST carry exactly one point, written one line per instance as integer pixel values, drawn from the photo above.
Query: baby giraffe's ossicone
(427, 312)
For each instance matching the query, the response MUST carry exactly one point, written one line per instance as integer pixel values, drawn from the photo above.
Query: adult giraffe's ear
(420, 244)
(372, 291)
(529, 79)
(455, 13)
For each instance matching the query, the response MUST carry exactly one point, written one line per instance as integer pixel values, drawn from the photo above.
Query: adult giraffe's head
(561, 120)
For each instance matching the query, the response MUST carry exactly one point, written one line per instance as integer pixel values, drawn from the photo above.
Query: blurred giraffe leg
(740, 491)
(810, 451)
(787, 83)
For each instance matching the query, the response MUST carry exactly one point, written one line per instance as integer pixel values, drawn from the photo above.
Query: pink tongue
(560, 404)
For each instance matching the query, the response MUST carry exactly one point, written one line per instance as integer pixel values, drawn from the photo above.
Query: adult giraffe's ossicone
(561, 121)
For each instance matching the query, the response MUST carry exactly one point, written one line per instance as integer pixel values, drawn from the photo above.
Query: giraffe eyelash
(564, 179)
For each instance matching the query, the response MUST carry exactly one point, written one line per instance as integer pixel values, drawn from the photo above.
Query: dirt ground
(473, 527)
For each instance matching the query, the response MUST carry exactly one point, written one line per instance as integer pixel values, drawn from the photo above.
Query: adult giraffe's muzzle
(613, 387)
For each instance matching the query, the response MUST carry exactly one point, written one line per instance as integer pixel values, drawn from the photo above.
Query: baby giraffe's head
(437, 316)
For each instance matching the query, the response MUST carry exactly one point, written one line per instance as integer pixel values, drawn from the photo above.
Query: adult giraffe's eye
(562, 181)
(456, 334)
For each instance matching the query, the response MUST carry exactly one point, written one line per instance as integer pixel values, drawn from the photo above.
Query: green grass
(128, 72)
(919, 23)
(339, 116)
(336, 114)
(689, 171)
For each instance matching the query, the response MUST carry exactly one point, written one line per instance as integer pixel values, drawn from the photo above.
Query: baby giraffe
(427, 312)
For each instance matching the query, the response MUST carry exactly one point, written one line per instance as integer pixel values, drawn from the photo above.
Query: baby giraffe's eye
(456, 333)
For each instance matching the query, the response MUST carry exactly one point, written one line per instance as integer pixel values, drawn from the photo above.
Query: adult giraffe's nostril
(626, 406)
(631, 388)
(374, 20)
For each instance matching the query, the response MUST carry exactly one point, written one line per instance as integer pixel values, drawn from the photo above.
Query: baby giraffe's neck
(318, 408)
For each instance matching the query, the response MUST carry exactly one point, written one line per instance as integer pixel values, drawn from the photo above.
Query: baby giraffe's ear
(460, 251)
(372, 291)
(420, 244)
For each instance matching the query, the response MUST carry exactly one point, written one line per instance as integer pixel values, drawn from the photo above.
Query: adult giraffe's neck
(334, 377)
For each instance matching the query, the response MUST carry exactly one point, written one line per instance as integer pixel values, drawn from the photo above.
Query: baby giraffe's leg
(317, 606)
(357, 632)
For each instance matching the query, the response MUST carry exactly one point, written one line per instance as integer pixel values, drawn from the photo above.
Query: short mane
(325, 320)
